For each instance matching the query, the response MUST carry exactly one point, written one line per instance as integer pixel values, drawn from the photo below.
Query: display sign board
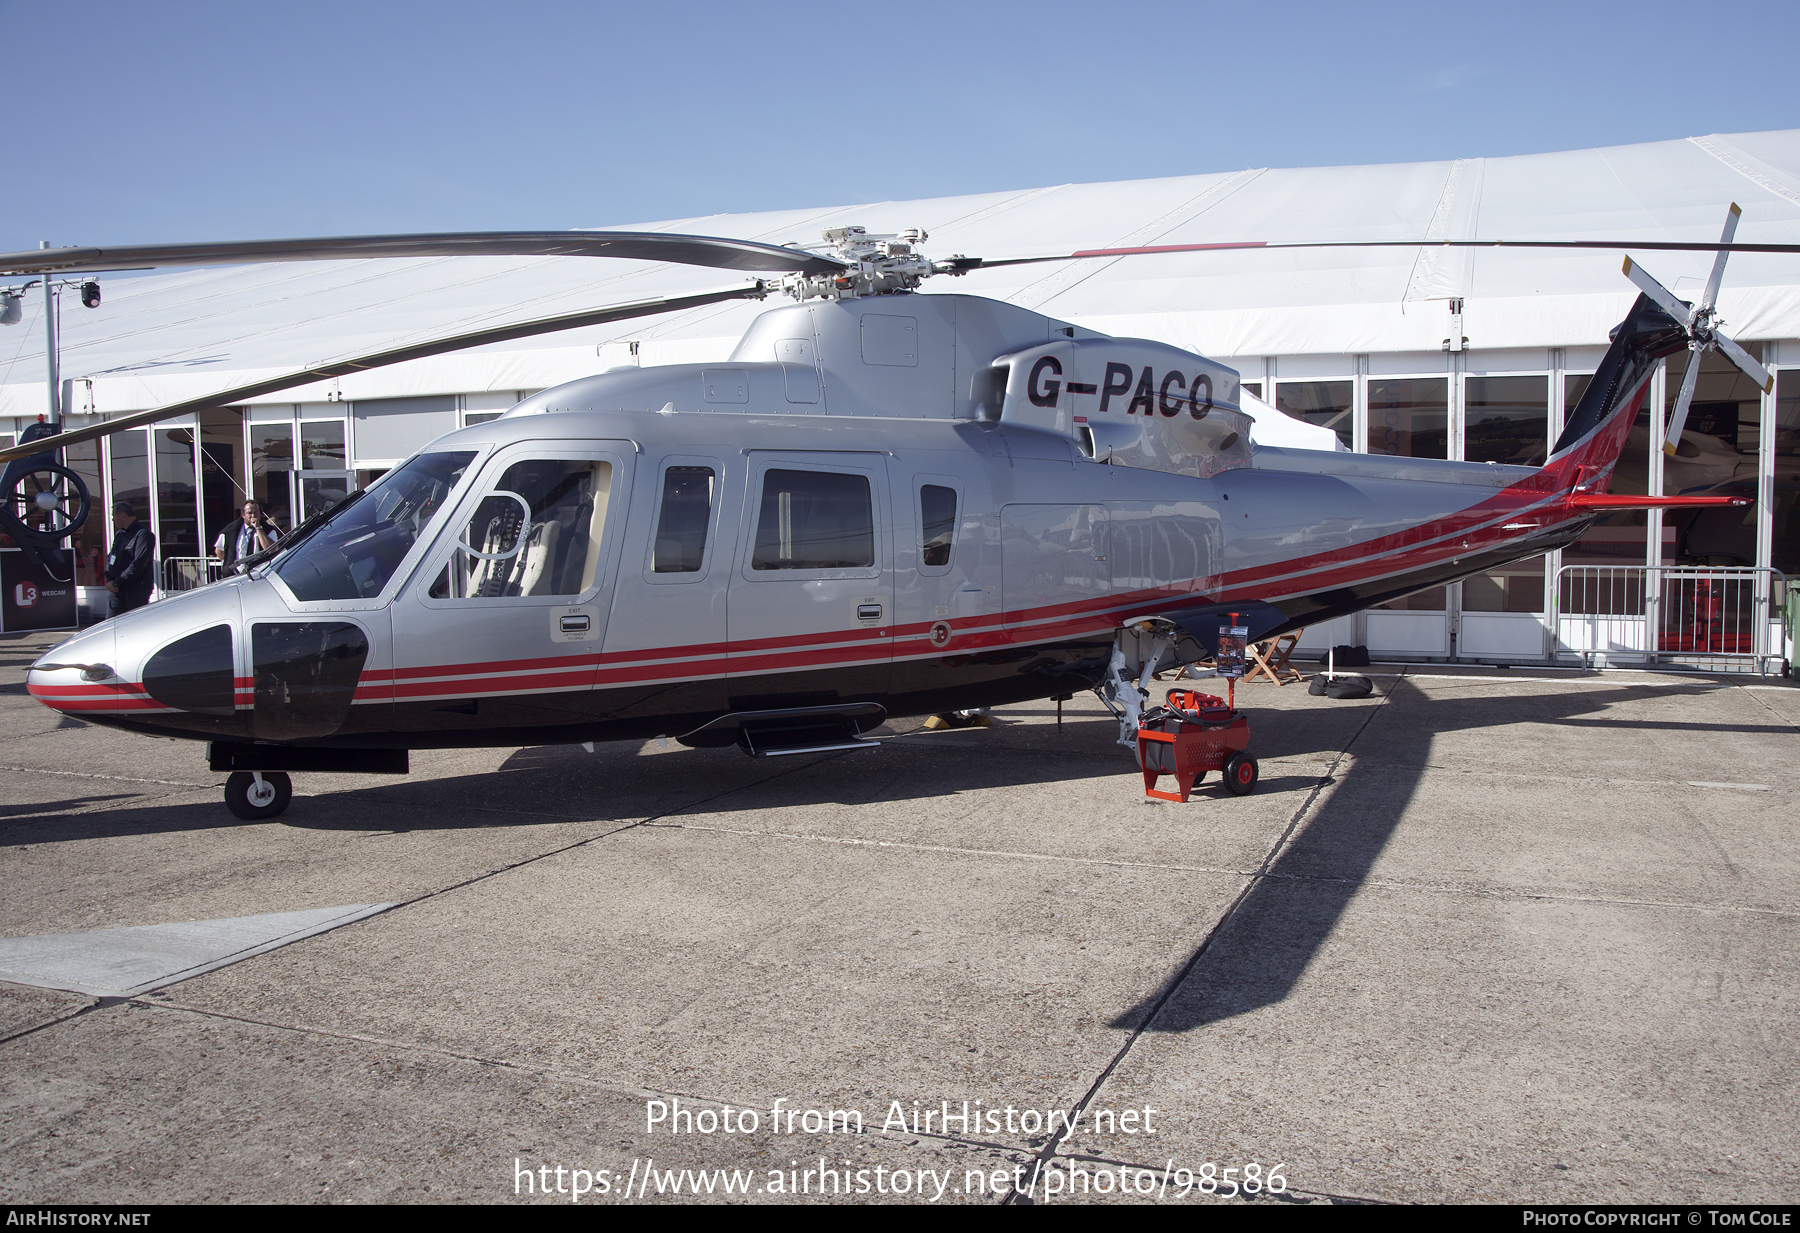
(34, 599)
(1232, 640)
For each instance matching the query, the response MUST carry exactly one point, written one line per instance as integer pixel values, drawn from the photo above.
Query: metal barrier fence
(190, 573)
(1725, 618)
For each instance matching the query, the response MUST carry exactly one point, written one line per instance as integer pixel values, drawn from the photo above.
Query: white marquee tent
(165, 337)
(1351, 344)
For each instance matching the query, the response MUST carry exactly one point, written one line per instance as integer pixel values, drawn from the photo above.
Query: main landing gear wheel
(1240, 774)
(256, 802)
(959, 719)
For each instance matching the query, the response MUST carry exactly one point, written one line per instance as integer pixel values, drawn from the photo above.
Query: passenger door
(811, 600)
(502, 627)
(665, 644)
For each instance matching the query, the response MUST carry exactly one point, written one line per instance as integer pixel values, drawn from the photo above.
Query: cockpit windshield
(354, 554)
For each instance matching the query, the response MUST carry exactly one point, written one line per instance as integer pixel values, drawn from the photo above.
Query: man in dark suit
(131, 565)
(252, 533)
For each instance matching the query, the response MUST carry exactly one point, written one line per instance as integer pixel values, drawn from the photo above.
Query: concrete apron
(1478, 937)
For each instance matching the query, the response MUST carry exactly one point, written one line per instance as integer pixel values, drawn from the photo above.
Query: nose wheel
(258, 795)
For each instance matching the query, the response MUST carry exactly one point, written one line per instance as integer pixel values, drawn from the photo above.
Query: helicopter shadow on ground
(616, 783)
(43, 823)
(629, 781)
(1259, 954)
(562, 784)
(11, 815)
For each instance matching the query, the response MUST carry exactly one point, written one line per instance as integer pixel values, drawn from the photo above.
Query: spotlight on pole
(9, 308)
(90, 294)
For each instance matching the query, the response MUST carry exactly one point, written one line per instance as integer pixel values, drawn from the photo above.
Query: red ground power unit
(1191, 734)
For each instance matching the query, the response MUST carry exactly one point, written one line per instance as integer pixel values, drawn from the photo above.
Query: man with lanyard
(131, 565)
(252, 535)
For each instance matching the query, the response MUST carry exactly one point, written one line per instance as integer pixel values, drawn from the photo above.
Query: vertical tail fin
(1595, 430)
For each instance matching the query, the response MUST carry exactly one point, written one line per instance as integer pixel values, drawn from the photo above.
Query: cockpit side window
(355, 554)
(538, 532)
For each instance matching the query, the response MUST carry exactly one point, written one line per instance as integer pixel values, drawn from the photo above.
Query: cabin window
(681, 525)
(815, 520)
(937, 513)
(536, 533)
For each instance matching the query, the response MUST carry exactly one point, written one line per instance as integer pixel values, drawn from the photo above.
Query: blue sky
(135, 123)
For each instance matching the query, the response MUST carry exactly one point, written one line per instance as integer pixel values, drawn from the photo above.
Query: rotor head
(873, 265)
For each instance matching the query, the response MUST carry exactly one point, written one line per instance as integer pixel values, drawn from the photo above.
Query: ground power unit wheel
(254, 802)
(1240, 774)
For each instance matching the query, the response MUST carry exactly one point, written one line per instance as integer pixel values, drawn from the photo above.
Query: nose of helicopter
(77, 675)
(165, 665)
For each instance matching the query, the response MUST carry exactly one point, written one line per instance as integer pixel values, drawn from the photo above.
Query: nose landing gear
(256, 796)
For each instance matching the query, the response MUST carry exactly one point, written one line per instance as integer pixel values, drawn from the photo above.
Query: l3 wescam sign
(31, 598)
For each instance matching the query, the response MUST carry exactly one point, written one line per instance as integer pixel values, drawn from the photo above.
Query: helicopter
(885, 503)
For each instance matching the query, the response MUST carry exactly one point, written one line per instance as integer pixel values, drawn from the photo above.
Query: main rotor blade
(1718, 271)
(714, 251)
(704, 250)
(1664, 298)
(380, 359)
(1678, 421)
(962, 265)
(1764, 379)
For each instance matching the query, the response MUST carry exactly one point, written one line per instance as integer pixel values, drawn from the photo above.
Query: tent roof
(162, 337)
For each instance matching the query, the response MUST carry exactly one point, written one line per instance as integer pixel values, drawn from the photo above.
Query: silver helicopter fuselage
(895, 505)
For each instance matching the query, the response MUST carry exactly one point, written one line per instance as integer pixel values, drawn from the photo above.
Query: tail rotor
(1702, 326)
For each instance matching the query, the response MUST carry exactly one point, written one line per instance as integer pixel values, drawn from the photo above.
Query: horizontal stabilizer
(1601, 501)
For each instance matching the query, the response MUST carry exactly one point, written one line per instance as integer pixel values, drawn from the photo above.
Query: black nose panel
(195, 673)
(306, 674)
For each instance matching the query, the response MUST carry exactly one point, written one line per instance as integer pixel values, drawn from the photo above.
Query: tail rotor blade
(1678, 421)
(1718, 270)
(1765, 381)
(1664, 298)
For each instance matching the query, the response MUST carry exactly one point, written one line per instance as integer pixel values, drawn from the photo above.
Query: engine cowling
(1130, 402)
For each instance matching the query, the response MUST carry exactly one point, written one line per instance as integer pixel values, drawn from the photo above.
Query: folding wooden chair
(1270, 658)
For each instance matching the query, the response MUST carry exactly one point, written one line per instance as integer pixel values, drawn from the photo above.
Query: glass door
(1409, 417)
(271, 466)
(1501, 613)
(322, 476)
